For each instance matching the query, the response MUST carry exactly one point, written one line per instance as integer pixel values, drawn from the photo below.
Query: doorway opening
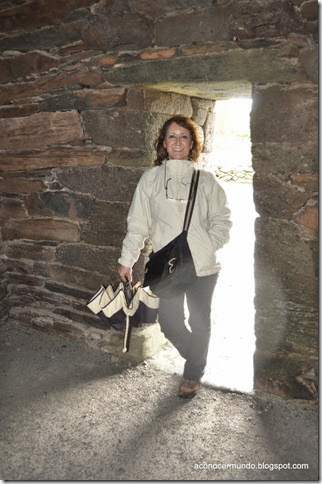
(232, 344)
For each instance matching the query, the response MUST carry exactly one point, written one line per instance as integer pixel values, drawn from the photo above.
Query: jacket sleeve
(219, 215)
(138, 226)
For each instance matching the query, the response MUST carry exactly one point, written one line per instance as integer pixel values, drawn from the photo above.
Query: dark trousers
(192, 345)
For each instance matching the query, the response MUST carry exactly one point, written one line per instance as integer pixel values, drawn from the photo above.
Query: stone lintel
(253, 66)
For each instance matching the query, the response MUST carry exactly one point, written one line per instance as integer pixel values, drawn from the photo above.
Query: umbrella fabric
(125, 307)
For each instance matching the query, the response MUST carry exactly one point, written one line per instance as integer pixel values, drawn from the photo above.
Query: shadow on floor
(69, 412)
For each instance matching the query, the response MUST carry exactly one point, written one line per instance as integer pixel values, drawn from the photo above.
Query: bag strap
(191, 199)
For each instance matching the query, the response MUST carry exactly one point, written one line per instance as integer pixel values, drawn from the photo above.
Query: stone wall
(85, 85)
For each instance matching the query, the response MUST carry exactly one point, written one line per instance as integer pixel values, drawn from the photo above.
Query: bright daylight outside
(232, 344)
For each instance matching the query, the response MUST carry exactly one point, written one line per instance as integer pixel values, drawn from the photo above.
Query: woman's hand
(125, 273)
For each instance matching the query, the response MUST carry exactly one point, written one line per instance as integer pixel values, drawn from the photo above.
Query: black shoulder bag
(170, 270)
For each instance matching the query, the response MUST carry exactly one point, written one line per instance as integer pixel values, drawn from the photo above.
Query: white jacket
(158, 213)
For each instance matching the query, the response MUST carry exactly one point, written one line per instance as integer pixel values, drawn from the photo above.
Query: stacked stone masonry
(85, 86)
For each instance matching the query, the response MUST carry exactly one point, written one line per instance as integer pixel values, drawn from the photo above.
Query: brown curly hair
(184, 122)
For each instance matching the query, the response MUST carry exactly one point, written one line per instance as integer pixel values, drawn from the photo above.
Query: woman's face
(178, 142)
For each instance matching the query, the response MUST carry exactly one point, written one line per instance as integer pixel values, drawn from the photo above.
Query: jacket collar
(178, 169)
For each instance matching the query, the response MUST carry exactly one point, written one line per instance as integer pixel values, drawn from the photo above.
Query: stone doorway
(232, 344)
(284, 140)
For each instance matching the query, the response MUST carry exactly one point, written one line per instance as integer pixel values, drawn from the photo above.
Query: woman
(157, 211)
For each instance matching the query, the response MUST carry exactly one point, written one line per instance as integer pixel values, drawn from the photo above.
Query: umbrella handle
(126, 339)
(128, 293)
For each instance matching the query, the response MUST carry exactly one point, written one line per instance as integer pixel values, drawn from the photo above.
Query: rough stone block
(157, 54)
(90, 258)
(107, 60)
(18, 111)
(259, 19)
(48, 83)
(83, 99)
(206, 90)
(287, 200)
(73, 276)
(135, 98)
(40, 269)
(200, 109)
(111, 8)
(3, 268)
(286, 375)
(20, 266)
(41, 229)
(108, 182)
(24, 250)
(55, 287)
(42, 295)
(24, 269)
(256, 65)
(202, 25)
(285, 158)
(11, 208)
(106, 225)
(22, 65)
(4, 309)
(106, 128)
(221, 22)
(38, 14)
(209, 129)
(286, 264)
(3, 294)
(27, 279)
(75, 316)
(285, 113)
(308, 217)
(309, 57)
(52, 158)
(288, 327)
(167, 103)
(59, 204)
(308, 181)
(36, 317)
(21, 185)
(206, 48)
(149, 8)
(302, 330)
(310, 9)
(46, 37)
(40, 130)
(124, 32)
(73, 57)
(131, 158)
(120, 129)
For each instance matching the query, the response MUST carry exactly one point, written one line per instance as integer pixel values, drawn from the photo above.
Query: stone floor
(69, 412)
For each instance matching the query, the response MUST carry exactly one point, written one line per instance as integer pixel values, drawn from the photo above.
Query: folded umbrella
(124, 308)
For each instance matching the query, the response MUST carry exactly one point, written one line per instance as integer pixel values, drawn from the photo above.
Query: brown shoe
(188, 388)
